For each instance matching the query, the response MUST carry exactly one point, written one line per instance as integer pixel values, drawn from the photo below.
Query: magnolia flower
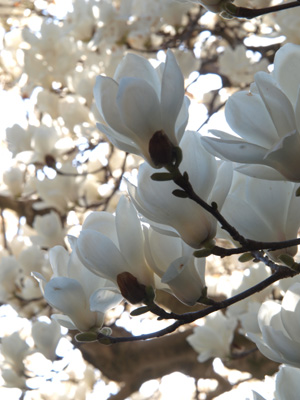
(279, 326)
(287, 383)
(211, 182)
(110, 245)
(268, 120)
(172, 260)
(14, 349)
(247, 208)
(213, 339)
(81, 296)
(142, 101)
(46, 337)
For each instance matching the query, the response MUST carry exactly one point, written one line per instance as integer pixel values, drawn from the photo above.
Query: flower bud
(161, 149)
(130, 288)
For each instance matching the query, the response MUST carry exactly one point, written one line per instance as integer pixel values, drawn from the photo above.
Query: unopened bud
(130, 288)
(161, 149)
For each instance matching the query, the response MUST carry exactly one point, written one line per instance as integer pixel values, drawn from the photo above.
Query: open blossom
(247, 208)
(110, 245)
(172, 260)
(82, 297)
(268, 121)
(213, 339)
(279, 326)
(141, 101)
(211, 182)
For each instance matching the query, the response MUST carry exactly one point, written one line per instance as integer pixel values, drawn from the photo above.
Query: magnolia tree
(150, 199)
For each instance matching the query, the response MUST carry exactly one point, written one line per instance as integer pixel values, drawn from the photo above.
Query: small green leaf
(105, 340)
(162, 176)
(287, 260)
(245, 257)
(178, 156)
(202, 253)
(298, 192)
(86, 337)
(139, 311)
(150, 293)
(180, 193)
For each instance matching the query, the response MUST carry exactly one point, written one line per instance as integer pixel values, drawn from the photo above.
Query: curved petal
(103, 222)
(104, 299)
(100, 255)
(286, 71)
(235, 150)
(285, 157)
(247, 115)
(184, 280)
(59, 258)
(139, 109)
(105, 93)
(172, 94)
(260, 172)
(278, 105)
(135, 66)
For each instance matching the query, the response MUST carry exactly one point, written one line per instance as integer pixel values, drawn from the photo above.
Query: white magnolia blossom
(210, 180)
(287, 383)
(213, 339)
(46, 336)
(141, 101)
(49, 229)
(279, 326)
(173, 261)
(82, 297)
(14, 349)
(247, 208)
(268, 120)
(109, 245)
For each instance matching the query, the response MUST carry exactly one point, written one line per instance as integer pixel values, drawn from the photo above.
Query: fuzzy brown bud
(130, 288)
(161, 149)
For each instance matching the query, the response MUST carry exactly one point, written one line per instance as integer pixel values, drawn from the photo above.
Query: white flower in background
(279, 326)
(82, 297)
(210, 180)
(288, 24)
(173, 261)
(110, 245)
(46, 336)
(239, 68)
(287, 383)
(213, 339)
(142, 101)
(268, 120)
(49, 229)
(52, 54)
(9, 273)
(14, 180)
(19, 139)
(14, 349)
(247, 208)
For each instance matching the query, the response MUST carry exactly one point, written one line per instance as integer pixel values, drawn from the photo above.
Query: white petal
(100, 255)
(277, 104)
(285, 157)
(260, 172)
(105, 93)
(172, 94)
(59, 258)
(286, 71)
(247, 115)
(104, 299)
(184, 280)
(139, 108)
(135, 66)
(235, 150)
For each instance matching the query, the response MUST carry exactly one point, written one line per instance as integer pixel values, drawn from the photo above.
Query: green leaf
(180, 193)
(245, 257)
(202, 253)
(162, 176)
(139, 311)
(86, 337)
(298, 192)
